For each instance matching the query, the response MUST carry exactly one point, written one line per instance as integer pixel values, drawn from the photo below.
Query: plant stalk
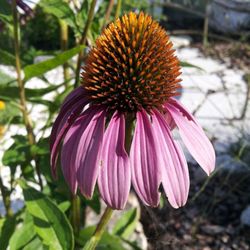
(205, 27)
(6, 199)
(108, 13)
(64, 46)
(23, 104)
(118, 9)
(93, 242)
(83, 40)
(76, 216)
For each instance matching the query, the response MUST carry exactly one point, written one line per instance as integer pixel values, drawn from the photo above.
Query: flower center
(132, 65)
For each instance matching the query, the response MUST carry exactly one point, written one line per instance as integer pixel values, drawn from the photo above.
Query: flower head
(130, 77)
(133, 66)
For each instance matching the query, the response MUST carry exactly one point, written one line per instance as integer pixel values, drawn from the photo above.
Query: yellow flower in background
(2, 105)
(2, 128)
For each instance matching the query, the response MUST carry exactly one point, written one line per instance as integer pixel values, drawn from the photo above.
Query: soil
(209, 221)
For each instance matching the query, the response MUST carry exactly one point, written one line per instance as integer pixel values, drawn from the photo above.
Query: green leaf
(10, 111)
(6, 58)
(45, 66)
(18, 152)
(34, 244)
(5, 7)
(82, 15)
(51, 224)
(12, 92)
(125, 226)
(64, 206)
(23, 235)
(107, 242)
(61, 10)
(7, 227)
(14, 156)
(189, 65)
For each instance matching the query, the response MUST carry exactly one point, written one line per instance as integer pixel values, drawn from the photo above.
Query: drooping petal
(80, 151)
(144, 161)
(77, 93)
(115, 175)
(88, 154)
(174, 169)
(72, 106)
(58, 133)
(68, 154)
(170, 121)
(193, 136)
(75, 97)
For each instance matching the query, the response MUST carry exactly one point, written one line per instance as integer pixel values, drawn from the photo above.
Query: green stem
(118, 9)
(108, 13)
(6, 199)
(64, 46)
(76, 217)
(83, 40)
(205, 27)
(92, 243)
(129, 129)
(26, 118)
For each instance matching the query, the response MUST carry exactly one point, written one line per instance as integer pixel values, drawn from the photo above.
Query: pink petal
(174, 169)
(88, 153)
(115, 175)
(170, 121)
(73, 95)
(68, 105)
(72, 106)
(193, 136)
(57, 134)
(80, 151)
(68, 155)
(144, 161)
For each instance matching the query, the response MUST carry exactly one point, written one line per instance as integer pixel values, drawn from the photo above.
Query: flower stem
(64, 46)
(94, 240)
(83, 40)
(205, 26)
(76, 218)
(108, 13)
(26, 118)
(118, 9)
(6, 199)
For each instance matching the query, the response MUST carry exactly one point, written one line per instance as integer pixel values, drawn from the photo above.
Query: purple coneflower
(116, 127)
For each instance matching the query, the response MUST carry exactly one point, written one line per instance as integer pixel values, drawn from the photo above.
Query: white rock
(181, 41)
(185, 54)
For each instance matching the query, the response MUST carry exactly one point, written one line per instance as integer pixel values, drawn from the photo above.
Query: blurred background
(211, 38)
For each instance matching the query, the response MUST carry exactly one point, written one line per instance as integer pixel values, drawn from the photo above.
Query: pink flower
(128, 84)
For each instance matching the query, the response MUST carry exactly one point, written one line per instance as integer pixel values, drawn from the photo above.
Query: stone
(181, 41)
(212, 229)
(245, 217)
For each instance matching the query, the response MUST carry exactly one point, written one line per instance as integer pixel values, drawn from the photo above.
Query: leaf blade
(40, 68)
(50, 222)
